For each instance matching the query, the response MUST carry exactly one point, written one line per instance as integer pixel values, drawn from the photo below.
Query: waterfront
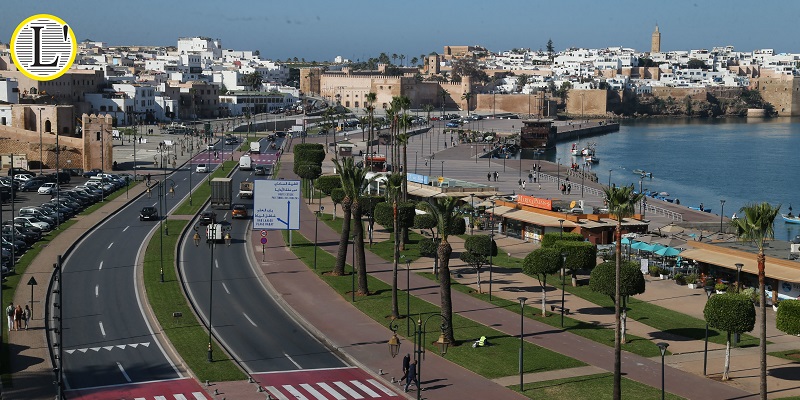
(704, 161)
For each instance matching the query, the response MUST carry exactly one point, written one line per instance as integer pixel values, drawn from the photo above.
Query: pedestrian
(534, 177)
(26, 316)
(10, 315)
(519, 183)
(569, 188)
(530, 178)
(488, 176)
(540, 186)
(412, 375)
(406, 362)
(18, 318)
(523, 185)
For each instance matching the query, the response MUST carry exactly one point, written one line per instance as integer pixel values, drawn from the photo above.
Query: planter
(662, 276)
(692, 285)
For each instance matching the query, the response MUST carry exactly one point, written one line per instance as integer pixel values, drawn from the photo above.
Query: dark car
(93, 172)
(149, 214)
(61, 177)
(15, 171)
(31, 185)
(208, 217)
(260, 170)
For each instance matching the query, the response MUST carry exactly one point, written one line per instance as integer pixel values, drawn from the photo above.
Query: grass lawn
(203, 192)
(495, 361)
(791, 355)
(595, 387)
(660, 318)
(384, 249)
(187, 334)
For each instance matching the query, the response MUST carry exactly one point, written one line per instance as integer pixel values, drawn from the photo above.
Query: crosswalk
(173, 389)
(337, 390)
(108, 348)
(195, 396)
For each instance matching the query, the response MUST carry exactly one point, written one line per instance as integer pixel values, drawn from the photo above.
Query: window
(98, 136)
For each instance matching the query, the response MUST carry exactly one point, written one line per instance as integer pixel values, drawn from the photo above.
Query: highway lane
(106, 338)
(244, 315)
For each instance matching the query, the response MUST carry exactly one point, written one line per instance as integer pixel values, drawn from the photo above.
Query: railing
(649, 208)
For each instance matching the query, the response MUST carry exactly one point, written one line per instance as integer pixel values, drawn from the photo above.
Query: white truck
(215, 233)
(255, 147)
(246, 190)
(245, 163)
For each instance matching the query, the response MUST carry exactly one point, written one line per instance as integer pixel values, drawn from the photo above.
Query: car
(92, 172)
(260, 170)
(239, 211)
(23, 177)
(41, 224)
(452, 124)
(148, 213)
(201, 168)
(31, 185)
(48, 188)
(17, 171)
(208, 217)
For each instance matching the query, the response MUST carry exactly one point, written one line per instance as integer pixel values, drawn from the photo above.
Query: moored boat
(575, 151)
(643, 173)
(790, 218)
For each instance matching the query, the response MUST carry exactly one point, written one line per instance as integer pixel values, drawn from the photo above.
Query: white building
(5, 114)
(9, 90)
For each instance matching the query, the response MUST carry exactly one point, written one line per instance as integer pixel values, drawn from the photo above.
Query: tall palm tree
(354, 182)
(443, 209)
(401, 57)
(344, 238)
(327, 118)
(394, 58)
(427, 108)
(371, 98)
(443, 94)
(622, 204)
(467, 96)
(393, 187)
(756, 225)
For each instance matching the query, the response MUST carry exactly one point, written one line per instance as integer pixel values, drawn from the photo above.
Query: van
(245, 163)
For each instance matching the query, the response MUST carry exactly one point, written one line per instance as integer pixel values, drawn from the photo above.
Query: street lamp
(472, 213)
(316, 224)
(442, 169)
(609, 178)
(563, 283)
(522, 301)
(408, 297)
(41, 152)
(721, 214)
(738, 273)
(709, 291)
(558, 171)
(353, 262)
(491, 247)
(420, 329)
(663, 347)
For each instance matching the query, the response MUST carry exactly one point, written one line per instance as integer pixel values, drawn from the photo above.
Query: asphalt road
(244, 316)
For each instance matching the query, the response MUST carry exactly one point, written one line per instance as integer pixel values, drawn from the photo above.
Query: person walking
(18, 318)
(488, 176)
(26, 316)
(412, 375)
(530, 178)
(523, 185)
(569, 188)
(406, 363)
(10, 315)
(519, 183)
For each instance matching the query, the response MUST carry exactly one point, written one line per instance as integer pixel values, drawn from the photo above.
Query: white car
(23, 177)
(48, 188)
(35, 222)
(201, 168)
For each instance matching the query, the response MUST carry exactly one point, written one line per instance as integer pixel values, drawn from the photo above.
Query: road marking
(110, 244)
(331, 390)
(216, 264)
(294, 392)
(314, 392)
(224, 286)
(103, 331)
(96, 290)
(251, 321)
(126, 228)
(275, 392)
(125, 374)
(293, 361)
(101, 265)
(378, 385)
(347, 390)
(364, 388)
(184, 178)
(154, 204)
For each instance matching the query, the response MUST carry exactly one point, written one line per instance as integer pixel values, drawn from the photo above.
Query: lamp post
(609, 178)
(663, 347)
(522, 301)
(738, 273)
(641, 204)
(442, 169)
(563, 283)
(416, 153)
(558, 171)
(472, 212)
(408, 297)
(709, 290)
(41, 152)
(420, 329)
(721, 214)
(211, 244)
(316, 224)
(353, 276)
(491, 247)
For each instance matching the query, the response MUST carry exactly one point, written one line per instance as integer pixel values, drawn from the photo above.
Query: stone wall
(21, 142)
(663, 92)
(587, 102)
(536, 104)
(782, 92)
(97, 142)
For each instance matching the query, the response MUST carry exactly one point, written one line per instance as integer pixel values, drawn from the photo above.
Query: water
(703, 161)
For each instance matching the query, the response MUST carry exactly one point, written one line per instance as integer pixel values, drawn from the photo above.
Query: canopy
(627, 240)
(652, 247)
(668, 252)
(671, 242)
(639, 245)
(672, 228)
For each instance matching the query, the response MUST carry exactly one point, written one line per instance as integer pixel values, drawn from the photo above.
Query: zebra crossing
(107, 348)
(327, 384)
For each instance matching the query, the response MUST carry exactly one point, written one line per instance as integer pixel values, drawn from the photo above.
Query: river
(704, 161)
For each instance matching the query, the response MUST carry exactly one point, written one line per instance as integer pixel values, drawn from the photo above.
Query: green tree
(756, 224)
(621, 204)
(401, 57)
(427, 108)
(327, 183)
(541, 263)
(603, 280)
(787, 319)
(732, 313)
(253, 80)
(337, 197)
(477, 249)
(521, 81)
(414, 61)
(425, 221)
(467, 96)
(443, 209)
(370, 99)
(354, 182)
(394, 58)
(550, 50)
(443, 94)
(696, 64)
(581, 255)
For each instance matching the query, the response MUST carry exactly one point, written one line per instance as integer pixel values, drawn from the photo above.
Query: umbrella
(639, 245)
(646, 238)
(668, 252)
(627, 240)
(652, 247)
(672, 228)
(670, 242)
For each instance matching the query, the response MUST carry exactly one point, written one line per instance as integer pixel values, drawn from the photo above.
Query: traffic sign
(263, 240)
(263, 233)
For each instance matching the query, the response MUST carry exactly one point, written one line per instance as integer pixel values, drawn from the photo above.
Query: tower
(655, 43)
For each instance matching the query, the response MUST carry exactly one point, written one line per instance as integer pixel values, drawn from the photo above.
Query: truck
(255, 147)
(246, 190)
(215, 233)
(221, 193)
(245, 163)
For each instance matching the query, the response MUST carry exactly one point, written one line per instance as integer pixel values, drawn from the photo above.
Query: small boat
(708, 210)
(575, 151)
(790, 218)
(591, 159)
(643, 173)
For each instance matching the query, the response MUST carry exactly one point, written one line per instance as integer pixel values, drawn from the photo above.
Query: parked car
(17, 171)
(48, 188)
(148, 213)
(452, 124)
(31, 185)
(23, 177)
(92, 172)
(208, 217)
(44, 226)
(201, 168)
(239, 211)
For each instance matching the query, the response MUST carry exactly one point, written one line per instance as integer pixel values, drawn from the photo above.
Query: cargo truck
(246, 190)
(221, 193)
(215, 233)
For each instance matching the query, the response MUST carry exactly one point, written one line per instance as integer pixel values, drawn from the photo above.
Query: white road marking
(96, 290)
(154, 204)
(293, 361)
(314, 392)
(347, 389)
(294, 392)
(125, 374)
(101, 265)
(184, 178)
(161, 398)
(224, 286)
(251, 321)
(103, 331)
(216, 264)
(110, 244)
(331, 390)
(275, 392)
(365, 388)
(382, 388)
(198, 396)
(179, 396)
(126, 228)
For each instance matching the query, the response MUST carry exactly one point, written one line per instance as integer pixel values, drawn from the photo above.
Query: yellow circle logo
(43, 47)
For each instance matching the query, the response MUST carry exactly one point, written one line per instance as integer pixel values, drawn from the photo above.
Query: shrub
(428, 247)
(602, 279)
(691, 278)
(541, 262)
(580, 255)
(458, 226)
(680, 279)
(730, 312)
(788, 318)
(337, 195)
(424, 221)
(654, 270)
(751, 294)
(550, 239)
(327, 183)
(721, 287)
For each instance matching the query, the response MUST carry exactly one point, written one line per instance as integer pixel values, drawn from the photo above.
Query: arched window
(47, 126)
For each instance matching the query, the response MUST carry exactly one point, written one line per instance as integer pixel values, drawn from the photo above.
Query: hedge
(327, 183)
(788, 317)
(580, 255)
(549, 239)
(603, 279)
(730, 312)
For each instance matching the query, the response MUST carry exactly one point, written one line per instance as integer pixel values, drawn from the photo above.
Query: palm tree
(427, 108)
(363, 121)
(756, 225)
(353, 182)
(327, 118)
(401, 57)
(443, 94)
(414, 61)
(371, 98)
(394, 58)
(405, 121)
(341, 255)
(393, 186)
(442, 208)
(467, 96)
(621, 203)
(522, 80)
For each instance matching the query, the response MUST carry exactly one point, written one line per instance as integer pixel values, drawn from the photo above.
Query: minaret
(655, 44)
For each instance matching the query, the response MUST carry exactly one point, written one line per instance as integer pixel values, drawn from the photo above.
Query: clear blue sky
(359, 29)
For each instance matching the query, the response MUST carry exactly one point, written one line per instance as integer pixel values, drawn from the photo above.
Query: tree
(327, 183)
(347, 202)
(354, 182)
(580, 256)
(467, 96)
(370, 99)
(788, 318)
(696, 64)
(550, 50)
(253, 80)
(621, 204)
(443, 208)
(414, 61)
(401, 57)
(477, 249)
(394, 58)
(521, 81)
(603, 280)
(337, 197)
(427, 108)
(425, 221)
(732, 313)
(756, 224)
(540, 263)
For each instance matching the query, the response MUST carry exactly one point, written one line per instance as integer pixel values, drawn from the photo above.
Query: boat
(791, 218)
(575, 151)
(593, 159)
(643, 173)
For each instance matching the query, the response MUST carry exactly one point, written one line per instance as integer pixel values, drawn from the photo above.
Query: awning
(773, 269)
(529, 217)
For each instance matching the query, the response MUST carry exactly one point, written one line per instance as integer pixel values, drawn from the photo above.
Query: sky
(359, 29)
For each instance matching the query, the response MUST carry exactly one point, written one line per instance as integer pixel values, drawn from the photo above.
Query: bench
(553, 308)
